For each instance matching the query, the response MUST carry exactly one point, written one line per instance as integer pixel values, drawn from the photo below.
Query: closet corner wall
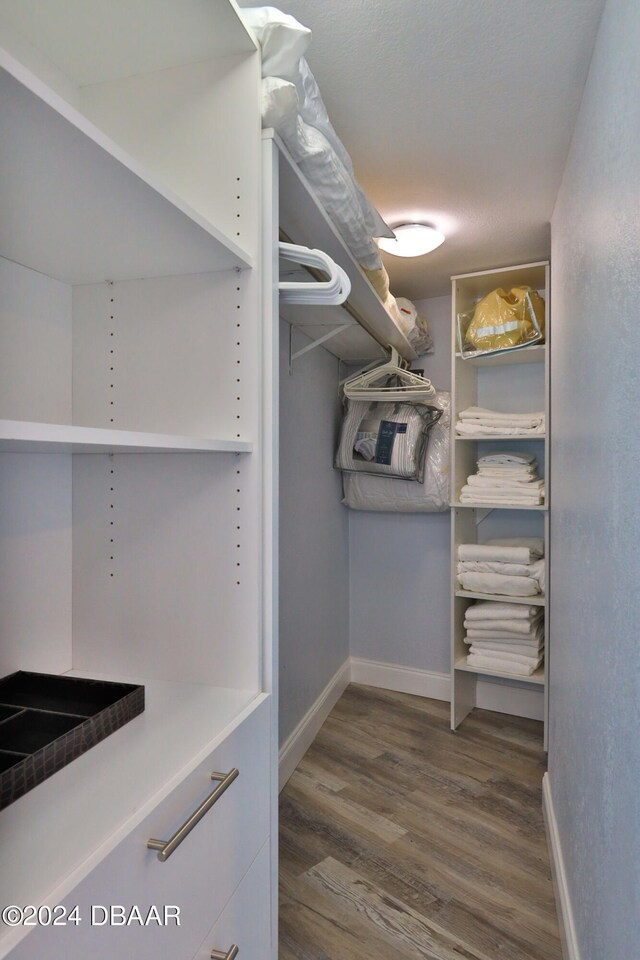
(516, 381)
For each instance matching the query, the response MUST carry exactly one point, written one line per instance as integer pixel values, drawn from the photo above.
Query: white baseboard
(570, 949)
(390, 676)
(297, 743)
(519, 701)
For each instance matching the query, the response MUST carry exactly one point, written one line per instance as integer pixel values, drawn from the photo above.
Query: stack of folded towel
(478, 422)
(510, 568)
(505, 478)
(508, 637)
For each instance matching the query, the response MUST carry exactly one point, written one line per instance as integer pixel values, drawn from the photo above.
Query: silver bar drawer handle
(166, 847)
(231, 954)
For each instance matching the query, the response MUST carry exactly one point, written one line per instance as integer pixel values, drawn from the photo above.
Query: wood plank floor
(400, 839)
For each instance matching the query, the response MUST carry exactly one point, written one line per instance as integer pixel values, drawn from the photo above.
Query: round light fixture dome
(412, 240)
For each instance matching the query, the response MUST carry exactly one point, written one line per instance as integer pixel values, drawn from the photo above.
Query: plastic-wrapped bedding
(414, 327)
(293, 106)
(388, 495)
(385, 438)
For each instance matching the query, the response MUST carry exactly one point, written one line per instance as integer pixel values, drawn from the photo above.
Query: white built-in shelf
(173, 35)
(537, 600)
(515, 380)
(22, 436)
(533, 354)
(492, 439)
(537, 677)
(107, 218)
(500, 506)
(75, 817)
(478, 284)
(304, 221)
(352, 343)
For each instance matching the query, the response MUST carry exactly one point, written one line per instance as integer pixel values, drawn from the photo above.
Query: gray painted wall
(400, 564)
(314, 533)
(595, 674)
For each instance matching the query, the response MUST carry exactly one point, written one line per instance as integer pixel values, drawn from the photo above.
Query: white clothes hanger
(335, 290)
(370, 385)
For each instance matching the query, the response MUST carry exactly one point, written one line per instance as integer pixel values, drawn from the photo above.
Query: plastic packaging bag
(502, 321)
(283, 40)
(385, 438)
(389, 495)
(414, 327)
(293, 105)
(332, 182)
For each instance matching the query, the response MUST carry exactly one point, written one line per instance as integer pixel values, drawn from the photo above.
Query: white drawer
(199, 877)
(246, 920)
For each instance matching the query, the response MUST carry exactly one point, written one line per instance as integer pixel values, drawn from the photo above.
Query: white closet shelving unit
(135, 461)
(517, 381)
(359, 330)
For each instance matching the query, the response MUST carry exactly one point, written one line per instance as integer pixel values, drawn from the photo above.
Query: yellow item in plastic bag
(503, 320)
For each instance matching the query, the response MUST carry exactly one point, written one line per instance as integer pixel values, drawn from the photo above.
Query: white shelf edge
(536, 678)
(538, 600)
(493, 439)
(23, 436)
(364, 301)
(533, 354)
(84, 126)
(541, 507)
(487, 273)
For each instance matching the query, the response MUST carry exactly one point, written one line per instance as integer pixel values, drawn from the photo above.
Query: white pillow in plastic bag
(388, 495)
(332, 183)
(314, 112)
(283, 40)
(386, 437)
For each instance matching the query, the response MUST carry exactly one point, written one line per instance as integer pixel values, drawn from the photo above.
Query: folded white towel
(507, 466)
(522, 550)
(519, 491)
(504, 666)
(479, 428)
(495, 566)
(535, 570)
(493, 476)
(538, 572)
(529, 424)
(499, 584)
(476, 495)
(507, 458)
(525, 485)
(499, 640)
(515, 657)
(497, 628)
(482, 610)
(483, 413)
(498, 610)
(480, 646)
(496, 636)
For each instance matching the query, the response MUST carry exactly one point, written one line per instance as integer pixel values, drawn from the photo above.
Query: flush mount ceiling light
(412, 240)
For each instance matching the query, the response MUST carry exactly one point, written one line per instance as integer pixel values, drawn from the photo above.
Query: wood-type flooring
(400, 839)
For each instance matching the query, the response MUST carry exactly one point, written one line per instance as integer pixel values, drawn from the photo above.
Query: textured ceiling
(455, 112)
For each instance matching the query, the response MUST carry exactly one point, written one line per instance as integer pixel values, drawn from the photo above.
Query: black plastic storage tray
(47, 721)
